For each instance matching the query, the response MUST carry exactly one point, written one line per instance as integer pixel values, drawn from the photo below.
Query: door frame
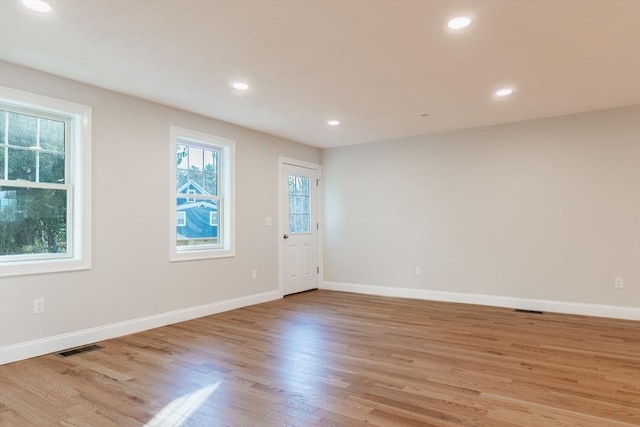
(281, 224)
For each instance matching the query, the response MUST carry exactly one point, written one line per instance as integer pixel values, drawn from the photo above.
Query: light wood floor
(337, 359)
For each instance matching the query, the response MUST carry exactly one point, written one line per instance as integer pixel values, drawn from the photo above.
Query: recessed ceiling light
(40, 6)
(333, 122)
(459, 22)
(240, 86)
(504, 92)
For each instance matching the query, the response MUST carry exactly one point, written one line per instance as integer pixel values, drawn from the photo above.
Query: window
(299, 205)
(181, 219)
(45, 184)
(202, 195)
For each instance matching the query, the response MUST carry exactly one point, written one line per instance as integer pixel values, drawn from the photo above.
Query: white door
(300, 229)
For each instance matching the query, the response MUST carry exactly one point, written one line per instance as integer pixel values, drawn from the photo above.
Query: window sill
(200, 255)
(22, 268)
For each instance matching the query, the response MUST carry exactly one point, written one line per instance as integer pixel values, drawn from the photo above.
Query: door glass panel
(299, 204)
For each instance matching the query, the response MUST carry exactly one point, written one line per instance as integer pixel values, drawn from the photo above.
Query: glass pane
(52, 135)
(199, 165)
(33, 221)
(299, 223)
(22, 164)
(299, 205)
(211, 184)
(293, 188)
(2, 122)
(306, 205)
(195, 158)
(210, 161)
(211, 172)
(23, 130)
(197, 177)
(181, 156)
(200, 224)
(1, 162)
(182, 177)
(52, 168)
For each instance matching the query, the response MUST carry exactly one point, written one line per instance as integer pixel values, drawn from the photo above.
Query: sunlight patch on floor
(178, 411)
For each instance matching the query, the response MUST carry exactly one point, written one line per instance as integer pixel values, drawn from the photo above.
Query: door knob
(286, 236)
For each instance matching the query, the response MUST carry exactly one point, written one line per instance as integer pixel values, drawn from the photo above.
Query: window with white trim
(201, 195)
(45, 184)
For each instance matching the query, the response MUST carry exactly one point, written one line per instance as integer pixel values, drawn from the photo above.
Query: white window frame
(77, 180)
(213, 215)
(226, 196)
(181, 219)
(191, 200)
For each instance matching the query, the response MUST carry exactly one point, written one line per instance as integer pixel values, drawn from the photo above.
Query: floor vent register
(80, 350)
(520, 310)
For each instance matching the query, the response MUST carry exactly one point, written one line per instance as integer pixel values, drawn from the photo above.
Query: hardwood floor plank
(326, 358)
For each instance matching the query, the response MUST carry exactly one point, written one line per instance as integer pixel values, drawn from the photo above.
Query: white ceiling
(375, 65)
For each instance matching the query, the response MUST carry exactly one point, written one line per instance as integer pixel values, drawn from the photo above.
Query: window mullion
(197, 196)
(219, 172)
(38, 123)
(32, 184)
(5, 140)
(72, 153)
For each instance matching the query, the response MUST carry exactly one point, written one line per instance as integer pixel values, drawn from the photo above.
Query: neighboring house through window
(45, 184)
(202, 195)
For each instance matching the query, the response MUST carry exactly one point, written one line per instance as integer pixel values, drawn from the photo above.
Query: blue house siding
(196, 223)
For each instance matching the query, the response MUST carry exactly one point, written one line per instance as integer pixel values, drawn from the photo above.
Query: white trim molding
(77, 182)
(39, 347)
(226, 196)
(616, 312)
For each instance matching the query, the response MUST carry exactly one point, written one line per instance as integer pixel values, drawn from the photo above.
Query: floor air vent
(520, 310)
(78, 350)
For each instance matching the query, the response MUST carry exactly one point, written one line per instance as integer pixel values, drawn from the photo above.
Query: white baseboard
(25, 350)
(616, 312)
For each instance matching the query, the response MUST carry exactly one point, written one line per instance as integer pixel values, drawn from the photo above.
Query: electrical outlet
(418, 271)
(619, 282)
(268, 221)
(38, 306)
(254, 274)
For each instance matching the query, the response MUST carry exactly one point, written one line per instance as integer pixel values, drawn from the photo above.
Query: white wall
(131, 276)
(545, 210)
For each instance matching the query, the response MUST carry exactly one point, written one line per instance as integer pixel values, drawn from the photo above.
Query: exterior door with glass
(300, 229)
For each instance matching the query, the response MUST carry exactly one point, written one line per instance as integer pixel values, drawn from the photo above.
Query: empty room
(320, 213)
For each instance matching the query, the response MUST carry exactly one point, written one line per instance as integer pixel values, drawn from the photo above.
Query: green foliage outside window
(33, 219)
